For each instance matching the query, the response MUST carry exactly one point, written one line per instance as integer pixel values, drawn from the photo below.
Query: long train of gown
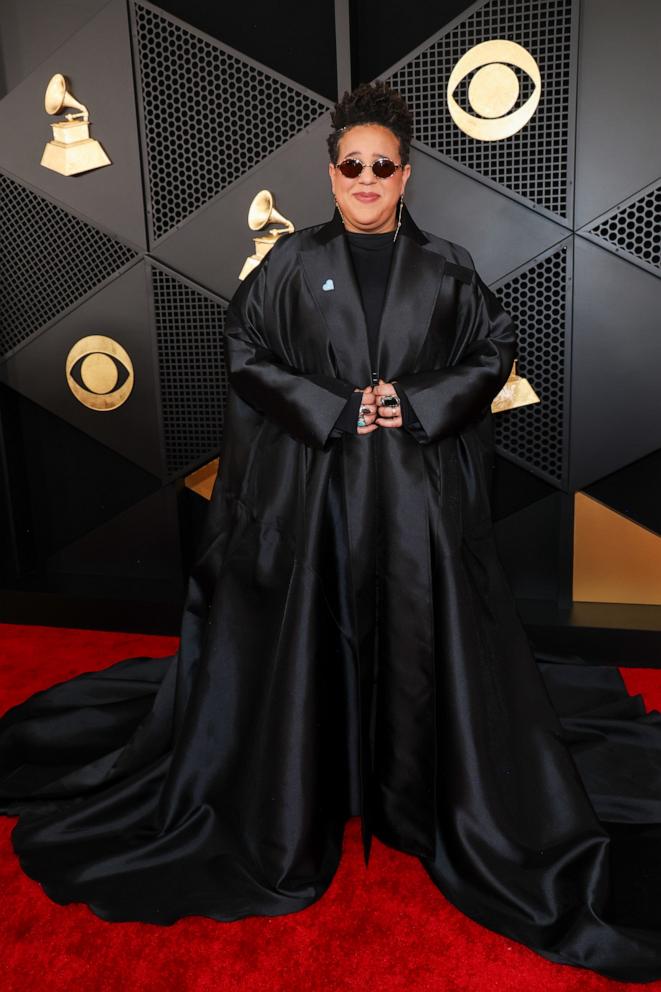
(160, 788)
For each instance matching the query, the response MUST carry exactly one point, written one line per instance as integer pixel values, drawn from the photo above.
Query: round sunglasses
(382, 168)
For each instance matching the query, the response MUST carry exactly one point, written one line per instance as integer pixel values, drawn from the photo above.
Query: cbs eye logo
(493, 90)
(99, 372)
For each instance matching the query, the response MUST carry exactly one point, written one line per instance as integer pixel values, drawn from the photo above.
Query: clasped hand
(379, 416)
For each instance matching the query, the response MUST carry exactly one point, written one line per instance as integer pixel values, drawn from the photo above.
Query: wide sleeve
(306, 405)
(348, 419)
(410, 422)
(448, 400)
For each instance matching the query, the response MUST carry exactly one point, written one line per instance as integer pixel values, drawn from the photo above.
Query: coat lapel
(341, 307)
(413, 285)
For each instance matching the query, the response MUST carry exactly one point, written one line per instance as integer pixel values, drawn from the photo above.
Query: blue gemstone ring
(362, 423)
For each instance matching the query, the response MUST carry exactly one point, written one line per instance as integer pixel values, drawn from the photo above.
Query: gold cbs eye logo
(493, 90)
(99, 372)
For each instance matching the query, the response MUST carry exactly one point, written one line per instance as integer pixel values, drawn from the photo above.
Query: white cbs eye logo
(493, 90)
(99, 372)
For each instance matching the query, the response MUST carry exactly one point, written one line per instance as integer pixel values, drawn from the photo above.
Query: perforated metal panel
(538, 301)
(209, 115)
(49, 260)
(635, 228)
(191, 364)
(536, 162)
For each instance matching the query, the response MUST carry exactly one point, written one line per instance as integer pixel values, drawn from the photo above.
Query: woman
(349, 644)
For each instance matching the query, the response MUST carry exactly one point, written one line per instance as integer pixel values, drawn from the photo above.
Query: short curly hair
(377, 103)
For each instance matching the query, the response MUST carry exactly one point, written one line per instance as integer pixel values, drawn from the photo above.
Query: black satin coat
(349, 644)
(366, 516)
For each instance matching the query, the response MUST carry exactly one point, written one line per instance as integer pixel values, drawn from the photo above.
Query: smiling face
(369, 204)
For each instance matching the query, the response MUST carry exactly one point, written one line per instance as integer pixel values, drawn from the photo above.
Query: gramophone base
(250, 263)
(70, 159)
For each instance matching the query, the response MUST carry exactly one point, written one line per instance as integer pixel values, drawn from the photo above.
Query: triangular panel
(193, 377)
(139, 545)
(615, 559)
(530, 542)
(618, 138)
(72, 483)
(537, 297)
(451, 204)
(97, 63)
(209, 114)
(633, 491)
(50, 260)
(616, 401)
(120, 312)
(631, 229)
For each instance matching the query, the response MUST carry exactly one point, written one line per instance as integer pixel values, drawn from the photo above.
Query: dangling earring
(338, 209)
(399, 219)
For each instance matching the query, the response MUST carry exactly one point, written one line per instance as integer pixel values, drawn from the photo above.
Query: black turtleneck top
(371, 255)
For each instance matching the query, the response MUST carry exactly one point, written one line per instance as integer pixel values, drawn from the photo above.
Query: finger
(388, 413)
(367, 414)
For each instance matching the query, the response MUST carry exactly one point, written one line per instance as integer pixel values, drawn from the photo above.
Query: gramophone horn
(57, 96)
(262, 212)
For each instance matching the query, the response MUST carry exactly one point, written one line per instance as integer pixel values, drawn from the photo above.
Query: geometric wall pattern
(538, 167)
(615, 401)
(634, 491)
(49, 260)
(633, 228)
(97, 60)
(537, 298)
(210, 114)
(119, 309)
(208, 120)
(534, 164)
(192, 373)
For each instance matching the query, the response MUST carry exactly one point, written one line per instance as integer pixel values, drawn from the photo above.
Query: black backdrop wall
(201, 106)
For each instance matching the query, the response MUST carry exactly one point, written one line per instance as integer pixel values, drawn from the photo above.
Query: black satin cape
(349, 645)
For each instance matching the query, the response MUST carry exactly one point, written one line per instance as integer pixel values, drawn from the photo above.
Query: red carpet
(384, 929)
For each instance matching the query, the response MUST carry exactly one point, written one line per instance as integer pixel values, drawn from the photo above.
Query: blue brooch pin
(328, 284)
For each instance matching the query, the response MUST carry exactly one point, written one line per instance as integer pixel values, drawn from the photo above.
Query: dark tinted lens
(383, 168)
(350, 168)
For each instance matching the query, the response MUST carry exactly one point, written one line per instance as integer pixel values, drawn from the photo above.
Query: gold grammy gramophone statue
(261, 213)
(71, 149)
(517, 391)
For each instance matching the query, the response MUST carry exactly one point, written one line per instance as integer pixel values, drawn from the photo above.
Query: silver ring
(365, 409)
